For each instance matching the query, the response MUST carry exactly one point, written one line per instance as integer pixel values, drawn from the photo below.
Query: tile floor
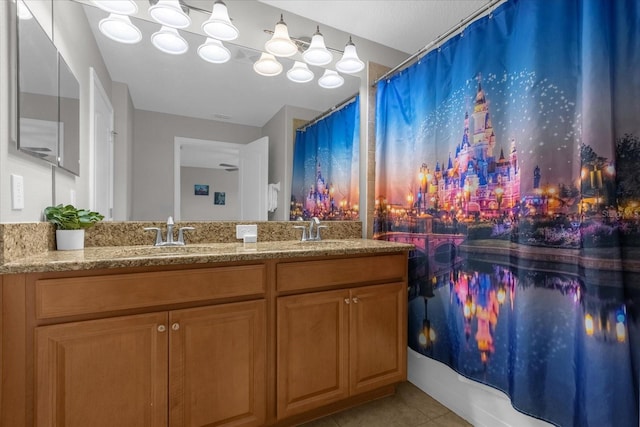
(409, 407)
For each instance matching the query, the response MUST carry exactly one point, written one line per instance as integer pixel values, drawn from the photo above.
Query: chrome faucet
(310, 237)
(313, 221)
(169, 241)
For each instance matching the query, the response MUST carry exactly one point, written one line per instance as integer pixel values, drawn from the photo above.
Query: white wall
(153, 161)
(202, 208)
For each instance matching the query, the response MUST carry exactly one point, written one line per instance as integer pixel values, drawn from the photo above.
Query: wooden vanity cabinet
(336, 344)
(196, 366)
(273, 342)
(208, 362)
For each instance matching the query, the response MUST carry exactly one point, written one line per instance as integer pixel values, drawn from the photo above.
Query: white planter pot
(69, 240)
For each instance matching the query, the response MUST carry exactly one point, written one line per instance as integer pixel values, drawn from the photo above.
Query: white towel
(273, 196)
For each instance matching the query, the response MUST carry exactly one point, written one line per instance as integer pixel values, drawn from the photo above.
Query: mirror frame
(12, 13)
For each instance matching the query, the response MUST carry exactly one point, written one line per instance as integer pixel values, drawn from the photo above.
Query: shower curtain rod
(336, 107)
(451, 31)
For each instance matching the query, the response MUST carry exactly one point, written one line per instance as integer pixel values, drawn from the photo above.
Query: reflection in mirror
(38, 89)
(185, 96)
(69, 130)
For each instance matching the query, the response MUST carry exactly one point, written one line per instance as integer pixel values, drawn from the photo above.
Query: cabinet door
(110, 372)
(378, 336)
(313, 340)
(217, 362)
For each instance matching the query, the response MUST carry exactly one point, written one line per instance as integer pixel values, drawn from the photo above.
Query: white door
(102, 148)
(254, 175)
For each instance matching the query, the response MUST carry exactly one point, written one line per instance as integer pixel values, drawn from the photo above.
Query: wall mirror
(37, 89)
(69, 120)
(187, 86)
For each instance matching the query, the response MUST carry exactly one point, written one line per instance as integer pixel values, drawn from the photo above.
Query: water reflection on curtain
(325, 167)
(509, 157)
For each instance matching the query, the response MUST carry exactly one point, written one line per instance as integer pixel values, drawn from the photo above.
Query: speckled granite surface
(20, 240)
(131, 233)
(137, 256)
(30, 247)
(24, 239)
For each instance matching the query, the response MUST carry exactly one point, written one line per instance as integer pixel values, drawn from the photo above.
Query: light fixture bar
(306, 43)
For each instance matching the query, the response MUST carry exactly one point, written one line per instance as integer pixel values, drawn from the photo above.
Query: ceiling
(405, 25)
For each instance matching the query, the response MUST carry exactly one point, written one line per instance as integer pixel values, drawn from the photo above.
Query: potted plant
(70, 224)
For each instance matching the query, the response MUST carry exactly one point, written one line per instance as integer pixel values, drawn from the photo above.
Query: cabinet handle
(175, 326)
(162, 328)
(355, 300)
(347, 301)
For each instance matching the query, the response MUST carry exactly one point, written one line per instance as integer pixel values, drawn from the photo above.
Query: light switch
(17, 192)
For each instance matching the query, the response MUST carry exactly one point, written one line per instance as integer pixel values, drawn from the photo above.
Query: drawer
(335, 272)
(96, 294)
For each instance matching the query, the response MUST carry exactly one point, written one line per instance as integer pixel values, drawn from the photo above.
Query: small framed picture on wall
(201, 190)
(219, 198)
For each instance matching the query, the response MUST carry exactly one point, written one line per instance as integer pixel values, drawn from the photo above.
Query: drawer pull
(175, 326)
(347, 301)
(162, 328)
(355, 300)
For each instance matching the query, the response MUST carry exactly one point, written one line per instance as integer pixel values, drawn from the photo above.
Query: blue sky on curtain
(326, 167)
(509, 157)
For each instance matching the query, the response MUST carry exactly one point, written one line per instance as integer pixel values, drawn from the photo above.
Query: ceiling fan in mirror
(229, 167)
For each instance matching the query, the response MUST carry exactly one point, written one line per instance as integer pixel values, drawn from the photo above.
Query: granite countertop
(138, 256)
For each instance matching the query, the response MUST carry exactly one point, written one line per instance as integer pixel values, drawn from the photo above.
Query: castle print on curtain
(510, 158)
(325, 167)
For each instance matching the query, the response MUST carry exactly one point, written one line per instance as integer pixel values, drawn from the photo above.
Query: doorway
(245, 164)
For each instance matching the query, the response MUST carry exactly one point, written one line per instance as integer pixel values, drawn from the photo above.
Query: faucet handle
(181, 233)
(158, 234)
(304, 232)
(318, 231)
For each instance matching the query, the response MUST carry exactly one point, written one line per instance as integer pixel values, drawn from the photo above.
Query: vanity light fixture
(168, 40)
(300, 73)
(317, 53)
(267, 65)
(121, 7)
(119, 28)
(331, 80)
(214, 51)
(23, 11)
(280, 43)
(169, 13)
(219, 26)
(350, 63)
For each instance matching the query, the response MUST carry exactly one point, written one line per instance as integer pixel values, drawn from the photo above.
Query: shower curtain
(510, 157)
(325, 167)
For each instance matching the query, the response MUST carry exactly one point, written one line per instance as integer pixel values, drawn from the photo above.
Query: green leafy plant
(68, 217)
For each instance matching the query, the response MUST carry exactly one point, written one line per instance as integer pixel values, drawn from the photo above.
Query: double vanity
(227, 334)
